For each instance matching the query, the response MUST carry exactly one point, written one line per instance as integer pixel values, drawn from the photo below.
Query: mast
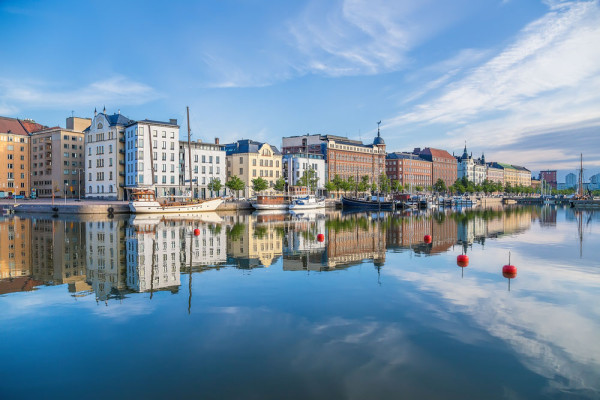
(190, 152)
(581, 175)
(151, 155)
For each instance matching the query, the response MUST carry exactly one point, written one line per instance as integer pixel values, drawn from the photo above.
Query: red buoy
(509, 271)
(427, 239)
(462, 260)
(196, 232)
(320, 237)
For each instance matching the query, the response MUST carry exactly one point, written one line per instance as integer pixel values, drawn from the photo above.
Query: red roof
(12, 125)
(437, 153)
(31, 126)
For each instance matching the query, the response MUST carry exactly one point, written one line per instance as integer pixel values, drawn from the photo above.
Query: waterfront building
(494, 174)
(208, 163)
(549, 176)
(14, 158)
(536, 183)
(105, 156)
(571, 180)
(152, 156)
(443, 164)
(58, 251)
(514, 175)
(105, 252)
(474, 169)
(295, 165)
(523, 176)
(57, 159)
(15, 247)
(153, 255)
(409, 169)
(344, 157)
(248, 160)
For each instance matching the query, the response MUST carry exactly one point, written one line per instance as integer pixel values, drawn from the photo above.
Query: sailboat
(582, 200)
(144, 201)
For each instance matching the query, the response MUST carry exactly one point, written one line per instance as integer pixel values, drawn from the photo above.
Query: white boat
(145, 202)
(307, 202)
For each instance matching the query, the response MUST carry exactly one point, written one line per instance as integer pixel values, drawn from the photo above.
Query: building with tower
(474, 169)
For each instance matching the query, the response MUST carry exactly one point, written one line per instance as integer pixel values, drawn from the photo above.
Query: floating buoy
(462, 260)
(509, 271)
(427, 239)
(320, 237)
(196, 232)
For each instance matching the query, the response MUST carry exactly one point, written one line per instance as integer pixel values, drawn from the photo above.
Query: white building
(152, 151)
(208, 163)
(104, 153)
(475, 170)
(153, 254)
(295, 165)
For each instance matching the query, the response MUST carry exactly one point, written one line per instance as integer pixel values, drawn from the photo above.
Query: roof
(437, 153)
(12, 125)
(405, 156)
(152, 122)
(117, 119)
(32, 126)
(247, 146)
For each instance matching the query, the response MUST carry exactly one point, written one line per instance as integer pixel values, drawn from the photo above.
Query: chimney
(173, 121)
(216, 140)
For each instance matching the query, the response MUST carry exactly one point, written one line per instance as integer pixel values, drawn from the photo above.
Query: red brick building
(408, 169)
(444, 164)
(550, 177)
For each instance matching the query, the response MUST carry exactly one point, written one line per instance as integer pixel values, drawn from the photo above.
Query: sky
(517, 80)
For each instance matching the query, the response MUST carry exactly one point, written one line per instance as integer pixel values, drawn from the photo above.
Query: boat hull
(153, 207)
(366, 205)
(309, 206)
(585, 203)
(270, 206)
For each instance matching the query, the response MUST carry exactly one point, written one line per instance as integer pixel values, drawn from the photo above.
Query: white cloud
(16, 94)
(546, 80)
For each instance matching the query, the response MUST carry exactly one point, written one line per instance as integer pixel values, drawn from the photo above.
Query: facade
(514, 174)
(474, 169)
(409, 169)
(494, 174)
(295, 165)
(571, 180)
(443, 164)
(152, 156)
(58, 160)
(249, 160)
(549, 176)
(523, 176)
(344, 157)
(14, 158)
(105, 156)
(209, 161)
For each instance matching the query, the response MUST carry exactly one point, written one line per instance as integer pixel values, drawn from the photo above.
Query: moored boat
(367, 204)
(280, 202)
(144, 201)
(307, 203)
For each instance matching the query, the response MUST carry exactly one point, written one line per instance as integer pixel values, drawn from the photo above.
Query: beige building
(495, 174)
(15, 247)
(57, 159)
(14, 158)
(249, 160)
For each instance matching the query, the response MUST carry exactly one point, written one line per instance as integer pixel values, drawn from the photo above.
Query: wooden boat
(280, 202)
(366, 204)
(143, 201)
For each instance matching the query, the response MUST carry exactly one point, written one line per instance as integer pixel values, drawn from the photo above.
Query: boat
(307, 203)
(582, 200)
(367, 204)
(279, 202)
(144, 201)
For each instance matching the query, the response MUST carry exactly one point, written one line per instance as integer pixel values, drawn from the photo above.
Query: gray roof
(152, 122)
(117, 119)
(247, 146)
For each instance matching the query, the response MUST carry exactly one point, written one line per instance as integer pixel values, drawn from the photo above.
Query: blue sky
(515, 79)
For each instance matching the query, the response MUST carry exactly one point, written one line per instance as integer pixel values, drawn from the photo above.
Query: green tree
(235, 184)
(259, 184)
(397, 187)
(440, 186)
(214, 185)
(330, 187)
(279, 185)
(384, 183)
(338, 182)
(363, 185)
(309, 179)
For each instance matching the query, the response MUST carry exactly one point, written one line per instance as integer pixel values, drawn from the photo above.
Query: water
(269, 311)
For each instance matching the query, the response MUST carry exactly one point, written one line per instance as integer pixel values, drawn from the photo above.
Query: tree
(397, 186)
(259, 184)
(235, 184)
(384, 183)
(363, 185)
(214, 185)
(330, 187)
(279, 185)
(309, 179)
(440, 186)
(338, 182)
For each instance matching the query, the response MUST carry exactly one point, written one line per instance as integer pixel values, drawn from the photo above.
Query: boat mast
(581, 175)
(151, 157)
(190, 152)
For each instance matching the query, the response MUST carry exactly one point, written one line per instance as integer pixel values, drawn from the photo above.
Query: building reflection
(255, 241)
(15, 247)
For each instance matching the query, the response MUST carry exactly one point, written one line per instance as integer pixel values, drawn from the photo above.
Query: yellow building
(15, 247)
(253, 243)
(249, 160)
(14, 158)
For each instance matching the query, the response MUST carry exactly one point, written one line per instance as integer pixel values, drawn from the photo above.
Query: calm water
(98, 308)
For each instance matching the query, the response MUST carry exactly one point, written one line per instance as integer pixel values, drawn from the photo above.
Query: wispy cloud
(547, 79)
(16, 94)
